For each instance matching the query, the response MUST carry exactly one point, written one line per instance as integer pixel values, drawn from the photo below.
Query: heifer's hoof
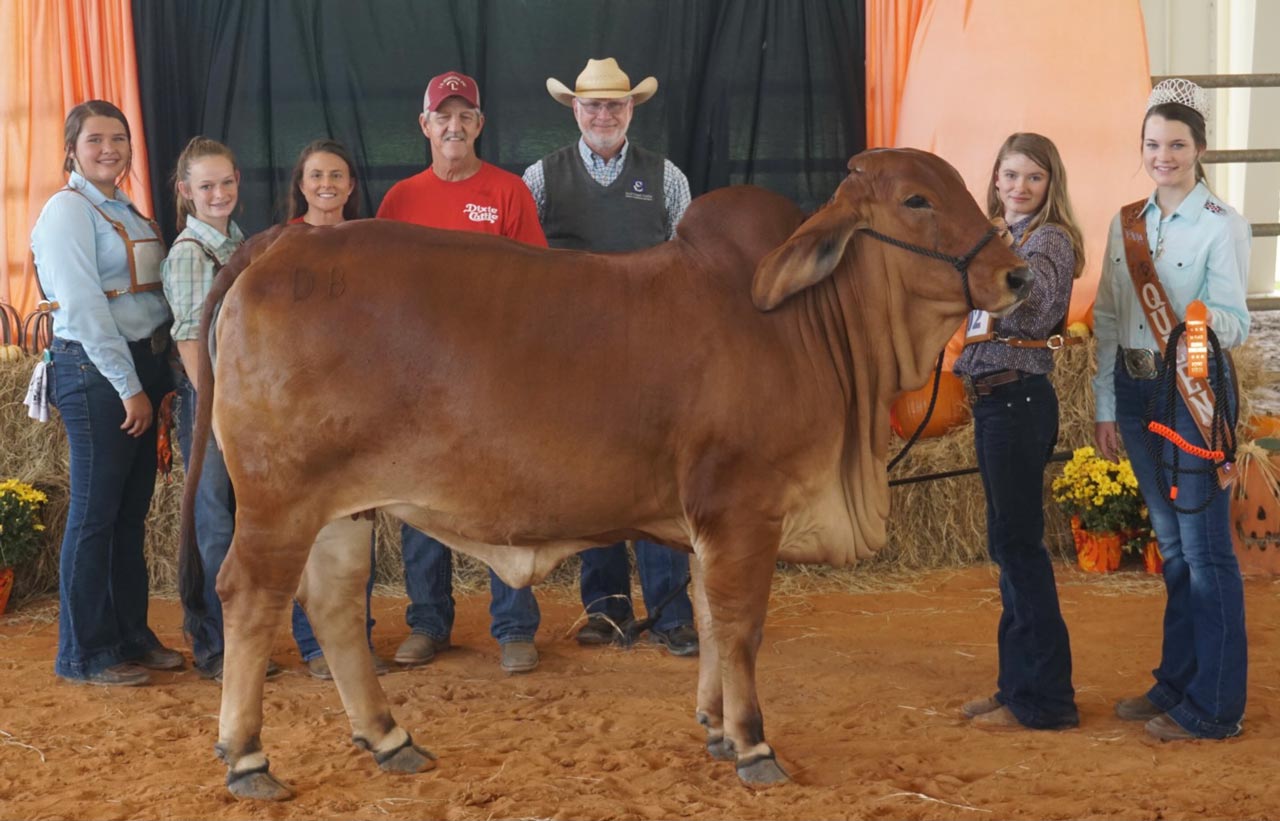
(721, 749)
(761, 771)
(408, 759)
(257, 785)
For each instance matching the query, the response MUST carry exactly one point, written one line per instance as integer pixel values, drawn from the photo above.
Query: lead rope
(633, 630)
(933, 400)
(1222, 430)
(961, 264)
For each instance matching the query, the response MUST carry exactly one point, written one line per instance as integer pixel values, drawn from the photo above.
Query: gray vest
(582, 214)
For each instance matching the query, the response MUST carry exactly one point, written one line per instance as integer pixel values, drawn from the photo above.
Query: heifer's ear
(808, 256)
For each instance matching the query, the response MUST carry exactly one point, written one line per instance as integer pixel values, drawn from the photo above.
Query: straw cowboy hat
(602, 80)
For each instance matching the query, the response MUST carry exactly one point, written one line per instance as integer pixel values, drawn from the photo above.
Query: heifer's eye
(916, 201)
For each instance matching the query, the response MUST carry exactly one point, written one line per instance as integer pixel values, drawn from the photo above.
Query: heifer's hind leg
(710, 712)
(737, 566)
(255, 584)
(332, 594)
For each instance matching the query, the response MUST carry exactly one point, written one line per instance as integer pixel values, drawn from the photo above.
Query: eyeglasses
(596, 106)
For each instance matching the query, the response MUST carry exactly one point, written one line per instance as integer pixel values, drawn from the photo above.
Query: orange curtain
(891, 30)
(1078, 74)
(59, 53)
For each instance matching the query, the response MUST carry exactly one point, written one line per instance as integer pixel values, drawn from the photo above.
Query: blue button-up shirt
(79, 256)
(1204, 255)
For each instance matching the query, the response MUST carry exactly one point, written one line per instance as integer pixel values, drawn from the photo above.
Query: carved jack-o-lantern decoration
(1255, 510)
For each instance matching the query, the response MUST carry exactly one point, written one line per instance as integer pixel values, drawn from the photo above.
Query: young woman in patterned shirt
(1007, 360)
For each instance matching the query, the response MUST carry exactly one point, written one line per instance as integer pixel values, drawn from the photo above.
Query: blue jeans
(215, 512)
(1015, 429)
(606, 582)
(215, 524)
(102, 575)
(1200, 682)
(308, 647)
(428, 579)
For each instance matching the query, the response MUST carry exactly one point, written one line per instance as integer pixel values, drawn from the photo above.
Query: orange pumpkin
(1261, 427)
(1255, 510)
(909, 408)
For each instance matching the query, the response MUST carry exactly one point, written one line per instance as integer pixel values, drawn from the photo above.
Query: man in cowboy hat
(461, 192)
(604, 193)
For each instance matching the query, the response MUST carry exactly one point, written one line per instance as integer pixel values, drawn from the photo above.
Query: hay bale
(943, 523)
(934, 524)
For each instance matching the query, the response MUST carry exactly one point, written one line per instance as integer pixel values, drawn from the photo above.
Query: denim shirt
(1204, 256)
(79, 256)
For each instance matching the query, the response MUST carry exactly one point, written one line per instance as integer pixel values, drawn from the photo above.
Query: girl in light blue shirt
(98, 260)
(1200, 249)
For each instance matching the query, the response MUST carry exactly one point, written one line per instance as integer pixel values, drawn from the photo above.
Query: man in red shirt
(461, 192)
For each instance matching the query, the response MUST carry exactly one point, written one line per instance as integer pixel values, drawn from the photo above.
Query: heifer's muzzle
(961, 264)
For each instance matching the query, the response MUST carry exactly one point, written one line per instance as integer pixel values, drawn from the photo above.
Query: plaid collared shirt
(188, 272)
(675, 185)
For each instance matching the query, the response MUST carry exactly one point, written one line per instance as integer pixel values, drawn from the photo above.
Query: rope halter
(961, 264)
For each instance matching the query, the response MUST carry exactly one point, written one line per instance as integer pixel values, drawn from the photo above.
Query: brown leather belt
(984, 385)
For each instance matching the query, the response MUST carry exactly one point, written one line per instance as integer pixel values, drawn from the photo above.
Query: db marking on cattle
(726, 393)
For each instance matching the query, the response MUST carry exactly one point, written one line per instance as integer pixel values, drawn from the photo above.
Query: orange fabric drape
(891, 30)
(956, 78)
(59, 53)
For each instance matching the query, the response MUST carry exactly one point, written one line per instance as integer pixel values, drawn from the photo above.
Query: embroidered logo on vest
(637, 192)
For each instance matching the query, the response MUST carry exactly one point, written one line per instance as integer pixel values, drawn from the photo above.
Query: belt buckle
(1140, 363)
(1055, 342)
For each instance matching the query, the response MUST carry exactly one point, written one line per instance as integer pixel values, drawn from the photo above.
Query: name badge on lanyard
(978, 328)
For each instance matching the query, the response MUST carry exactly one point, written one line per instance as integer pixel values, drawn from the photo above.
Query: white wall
(1230, 37)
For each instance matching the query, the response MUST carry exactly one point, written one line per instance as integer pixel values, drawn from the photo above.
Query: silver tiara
(1183, 92)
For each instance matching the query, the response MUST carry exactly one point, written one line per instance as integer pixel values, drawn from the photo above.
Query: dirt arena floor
(861, 693)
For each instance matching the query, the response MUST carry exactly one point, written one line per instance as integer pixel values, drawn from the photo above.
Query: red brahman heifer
(726, 392)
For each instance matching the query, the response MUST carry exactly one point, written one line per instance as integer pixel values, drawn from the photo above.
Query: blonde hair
(1057, 203)
(197, 149)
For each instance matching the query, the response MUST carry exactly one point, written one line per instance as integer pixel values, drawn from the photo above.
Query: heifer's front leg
(333, 595)
(255, 584)
(710, 712)
(737, 571)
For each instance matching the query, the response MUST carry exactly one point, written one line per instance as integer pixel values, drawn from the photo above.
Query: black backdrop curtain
(769, 92)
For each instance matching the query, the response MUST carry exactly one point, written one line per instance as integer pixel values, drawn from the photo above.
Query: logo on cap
(451, 84)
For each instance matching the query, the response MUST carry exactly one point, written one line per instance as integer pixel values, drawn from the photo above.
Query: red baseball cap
(450, 84)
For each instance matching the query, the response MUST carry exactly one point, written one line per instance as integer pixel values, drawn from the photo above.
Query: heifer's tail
(191, 579)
